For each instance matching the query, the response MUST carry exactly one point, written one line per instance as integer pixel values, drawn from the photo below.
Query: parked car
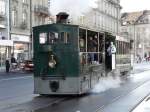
(28, 65)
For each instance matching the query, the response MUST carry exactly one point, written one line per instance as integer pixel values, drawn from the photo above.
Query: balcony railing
(41, 10)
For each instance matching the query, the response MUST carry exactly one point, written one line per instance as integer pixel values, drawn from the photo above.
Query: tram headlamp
(52, 63)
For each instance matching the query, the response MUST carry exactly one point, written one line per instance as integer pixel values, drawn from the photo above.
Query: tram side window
(42, 38)
(101, 43)
(82, 40)
(53, 37)
(65, 37)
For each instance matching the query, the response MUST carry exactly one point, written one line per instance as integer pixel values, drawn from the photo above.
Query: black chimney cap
(62, 17)
(62, 14)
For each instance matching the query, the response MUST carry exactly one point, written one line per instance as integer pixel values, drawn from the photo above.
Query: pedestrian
(7, 64)
(13, 62)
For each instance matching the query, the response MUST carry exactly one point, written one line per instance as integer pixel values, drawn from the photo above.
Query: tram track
(100, 109)
(33, 105)
(99, 106)
(39, 103)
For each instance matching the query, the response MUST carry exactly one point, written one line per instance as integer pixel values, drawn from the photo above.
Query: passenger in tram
(92, 46)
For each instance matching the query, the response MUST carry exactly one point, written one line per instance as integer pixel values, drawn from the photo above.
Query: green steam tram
(70, 59)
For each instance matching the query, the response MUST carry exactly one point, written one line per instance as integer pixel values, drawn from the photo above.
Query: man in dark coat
(7, 64)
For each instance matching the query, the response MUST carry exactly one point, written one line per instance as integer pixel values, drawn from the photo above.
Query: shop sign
(6, 43)
(20, 38)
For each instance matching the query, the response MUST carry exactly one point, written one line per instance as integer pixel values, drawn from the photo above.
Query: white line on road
(25, 77)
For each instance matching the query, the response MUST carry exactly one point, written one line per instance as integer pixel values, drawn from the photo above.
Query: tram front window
(53, 37)
(65, 37)
(42, 38)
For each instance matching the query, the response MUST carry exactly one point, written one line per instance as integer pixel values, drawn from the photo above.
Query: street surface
(113, 94)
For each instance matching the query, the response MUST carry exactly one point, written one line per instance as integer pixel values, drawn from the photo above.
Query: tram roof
(79, 26)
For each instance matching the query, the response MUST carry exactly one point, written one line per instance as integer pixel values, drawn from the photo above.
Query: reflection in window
(53, 37)
(43, 38)
(65, 37)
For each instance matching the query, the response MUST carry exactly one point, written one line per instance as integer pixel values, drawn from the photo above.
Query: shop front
(5, 46)
(21, 49)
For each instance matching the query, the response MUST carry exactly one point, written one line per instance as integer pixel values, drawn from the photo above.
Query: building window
(24, 20)
(14, 17)
(2, 7)
(24, 1)
(24, 17)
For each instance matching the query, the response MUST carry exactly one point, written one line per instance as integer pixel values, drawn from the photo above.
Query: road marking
(25, 77)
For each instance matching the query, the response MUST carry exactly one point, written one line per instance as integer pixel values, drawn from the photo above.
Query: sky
(135, 5)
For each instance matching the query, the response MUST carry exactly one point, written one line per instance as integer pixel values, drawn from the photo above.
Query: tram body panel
(61, 68)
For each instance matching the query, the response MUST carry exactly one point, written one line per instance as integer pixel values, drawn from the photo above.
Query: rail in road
(91, 102)
(21, 99)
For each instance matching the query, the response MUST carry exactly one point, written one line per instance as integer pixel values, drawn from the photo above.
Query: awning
(6, 43)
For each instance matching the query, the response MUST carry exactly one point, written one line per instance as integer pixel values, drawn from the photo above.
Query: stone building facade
(137, 25)
(40, 12)
(17, 17)
(106, 16)
(5, 42)
(20, 28)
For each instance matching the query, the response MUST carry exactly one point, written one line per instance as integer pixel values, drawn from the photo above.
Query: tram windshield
(54, 37)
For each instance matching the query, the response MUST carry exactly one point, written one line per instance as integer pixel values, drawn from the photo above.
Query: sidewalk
(144, 106)
(15, 71)
(2, 69)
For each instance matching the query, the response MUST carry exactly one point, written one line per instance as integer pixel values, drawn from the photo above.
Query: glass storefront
(3, 55)
(21, 51)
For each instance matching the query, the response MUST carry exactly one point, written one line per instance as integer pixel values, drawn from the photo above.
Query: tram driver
(111, 50)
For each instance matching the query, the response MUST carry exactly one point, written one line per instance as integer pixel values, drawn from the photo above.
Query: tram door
(109, 57)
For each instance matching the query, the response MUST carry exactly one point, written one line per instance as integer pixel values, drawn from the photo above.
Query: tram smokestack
(62, 17)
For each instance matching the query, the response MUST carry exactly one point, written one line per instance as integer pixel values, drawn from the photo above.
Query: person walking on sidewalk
(7, 66)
